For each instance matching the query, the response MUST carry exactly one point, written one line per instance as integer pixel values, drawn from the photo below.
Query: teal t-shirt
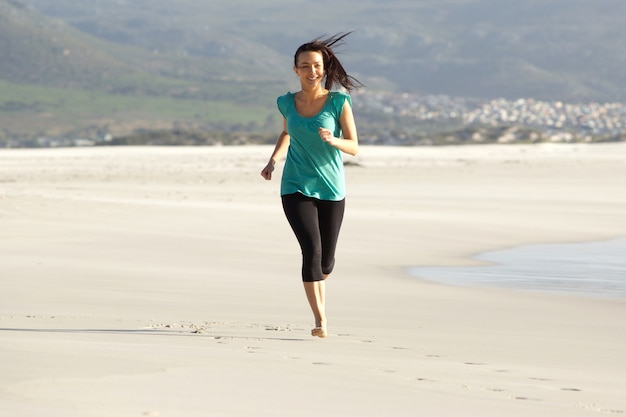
(313, 167)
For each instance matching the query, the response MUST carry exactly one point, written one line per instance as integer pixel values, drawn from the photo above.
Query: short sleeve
(339, 99)
(283, 103)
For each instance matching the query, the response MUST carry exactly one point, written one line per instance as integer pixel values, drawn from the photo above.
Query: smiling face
(310, 69)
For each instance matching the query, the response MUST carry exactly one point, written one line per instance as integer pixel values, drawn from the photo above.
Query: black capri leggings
(316, 224)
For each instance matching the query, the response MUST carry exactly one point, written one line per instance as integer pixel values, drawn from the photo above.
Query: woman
(318, 125)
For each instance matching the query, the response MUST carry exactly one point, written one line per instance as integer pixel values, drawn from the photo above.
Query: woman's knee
(328, 266)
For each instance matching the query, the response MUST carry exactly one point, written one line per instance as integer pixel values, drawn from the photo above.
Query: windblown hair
(335, 73)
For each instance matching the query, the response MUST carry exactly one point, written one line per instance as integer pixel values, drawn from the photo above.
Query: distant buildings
(595, 119)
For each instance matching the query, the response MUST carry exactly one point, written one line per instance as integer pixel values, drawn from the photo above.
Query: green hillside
(56, 80)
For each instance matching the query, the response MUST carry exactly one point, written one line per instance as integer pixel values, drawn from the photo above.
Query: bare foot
(319, 332)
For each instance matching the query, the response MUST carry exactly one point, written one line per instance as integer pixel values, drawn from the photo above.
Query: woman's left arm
(350, 141)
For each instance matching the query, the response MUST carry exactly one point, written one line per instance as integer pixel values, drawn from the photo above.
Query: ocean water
(595, 269)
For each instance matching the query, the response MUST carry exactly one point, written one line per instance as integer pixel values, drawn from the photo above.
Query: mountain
(571, 50)
(74, 68)
(57, 80)
(38, 49)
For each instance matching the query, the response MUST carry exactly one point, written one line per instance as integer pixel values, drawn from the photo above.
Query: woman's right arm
(280, 150)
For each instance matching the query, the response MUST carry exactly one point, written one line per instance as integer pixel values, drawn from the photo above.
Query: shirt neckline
(293, 101)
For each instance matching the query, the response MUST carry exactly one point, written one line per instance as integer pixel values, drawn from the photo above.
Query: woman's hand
(326, 135)
(280, 150)
(267, 171)
(348, 143)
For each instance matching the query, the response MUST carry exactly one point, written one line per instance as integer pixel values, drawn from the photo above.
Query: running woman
(318, 125)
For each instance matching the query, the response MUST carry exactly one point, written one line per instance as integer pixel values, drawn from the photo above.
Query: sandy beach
(165, 282)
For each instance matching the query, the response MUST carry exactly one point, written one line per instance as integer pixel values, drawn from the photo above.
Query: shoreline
(512, 268)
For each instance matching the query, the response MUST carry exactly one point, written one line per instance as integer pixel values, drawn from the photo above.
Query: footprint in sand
(599, 409)
(526, 399)
(277, 329)
(424, 380)
(489, 389)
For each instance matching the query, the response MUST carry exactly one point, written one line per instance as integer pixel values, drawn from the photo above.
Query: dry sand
(165, 282)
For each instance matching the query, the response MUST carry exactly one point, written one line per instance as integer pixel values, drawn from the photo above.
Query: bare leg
(315, 294)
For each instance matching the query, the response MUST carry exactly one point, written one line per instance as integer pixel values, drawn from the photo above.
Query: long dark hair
(335, 73)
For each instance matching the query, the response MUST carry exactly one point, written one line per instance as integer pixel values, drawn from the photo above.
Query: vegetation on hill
(58, 82)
